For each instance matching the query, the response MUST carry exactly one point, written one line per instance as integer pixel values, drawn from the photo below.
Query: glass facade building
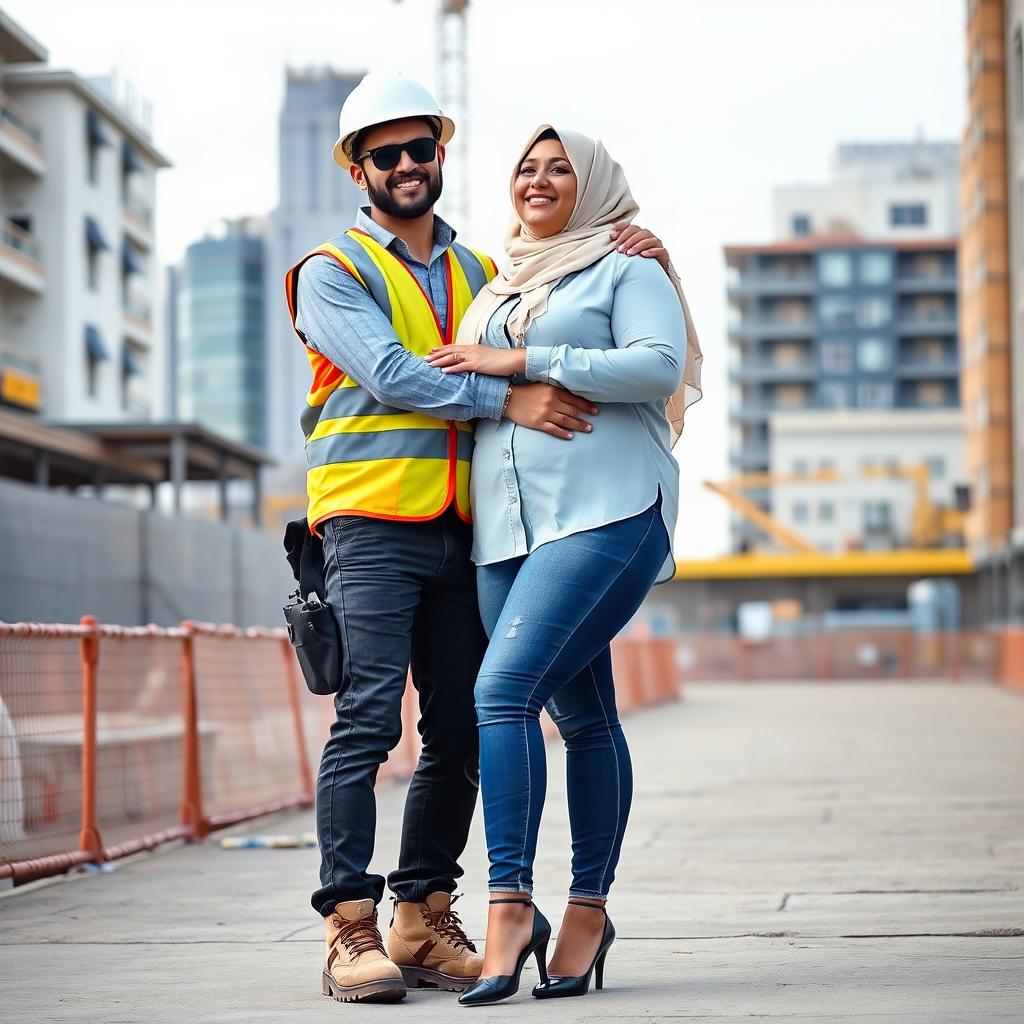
(220, 336)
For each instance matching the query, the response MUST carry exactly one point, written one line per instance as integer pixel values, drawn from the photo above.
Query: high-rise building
(878, 190)
(836, 324)
(316, 200)
(854, 308)
(77, 280)
(992, 293)
(218, 341)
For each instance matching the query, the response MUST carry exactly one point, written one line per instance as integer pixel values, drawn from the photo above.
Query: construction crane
(452, 94)
(930, 524)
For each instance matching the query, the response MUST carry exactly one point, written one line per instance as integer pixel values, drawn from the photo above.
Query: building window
(833, 394)
(95, 245)
(874, 311)
(873, 355)
(95, 356)
(799, 466)
(800, 512)
(875, 516)
(930, 393)
(96, 139)
(801, 224)
(826, 511)
(872, 395)
(936, 467)
(836, 311)
(836, 356)
(835, 269)
(908, 215)
(826, 465)
(313, 158)
(876, 267)
(1018, 75)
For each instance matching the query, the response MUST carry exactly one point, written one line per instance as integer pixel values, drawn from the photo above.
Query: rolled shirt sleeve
(342, 322)
(649, 333)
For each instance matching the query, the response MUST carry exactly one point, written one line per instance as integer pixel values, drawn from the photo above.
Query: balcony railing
(20, 239)
(767, 369)
(945, 367)
(137, 308)
(11, 114)
(14, 358)
(775, 326)
(140, 207)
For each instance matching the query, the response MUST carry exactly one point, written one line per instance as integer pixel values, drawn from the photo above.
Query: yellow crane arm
(759, 517)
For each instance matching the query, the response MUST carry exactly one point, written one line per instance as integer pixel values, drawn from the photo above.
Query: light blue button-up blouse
(612, 333)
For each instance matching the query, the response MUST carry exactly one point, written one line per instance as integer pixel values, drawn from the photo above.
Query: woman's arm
(650, 345)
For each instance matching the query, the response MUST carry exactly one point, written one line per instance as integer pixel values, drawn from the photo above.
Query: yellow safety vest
(365, 458)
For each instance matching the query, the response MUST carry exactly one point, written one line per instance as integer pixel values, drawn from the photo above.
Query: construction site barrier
(115, 739)
(895, 654)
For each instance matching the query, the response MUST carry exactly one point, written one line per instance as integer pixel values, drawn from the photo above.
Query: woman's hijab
(536, 265)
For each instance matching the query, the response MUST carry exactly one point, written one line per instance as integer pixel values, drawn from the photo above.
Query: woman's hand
(494, 362)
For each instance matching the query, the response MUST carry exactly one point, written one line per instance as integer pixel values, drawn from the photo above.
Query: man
(388, 446)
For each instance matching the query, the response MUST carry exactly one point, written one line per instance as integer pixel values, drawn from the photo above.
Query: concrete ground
(844, 852)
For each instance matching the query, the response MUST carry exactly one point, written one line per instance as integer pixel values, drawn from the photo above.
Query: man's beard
(382, 199)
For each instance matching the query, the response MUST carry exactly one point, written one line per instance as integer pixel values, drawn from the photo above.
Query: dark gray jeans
(402, 593)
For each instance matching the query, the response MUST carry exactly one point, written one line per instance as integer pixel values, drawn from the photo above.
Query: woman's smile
(545, 189)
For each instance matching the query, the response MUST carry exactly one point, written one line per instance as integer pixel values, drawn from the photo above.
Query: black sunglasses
(387, 158)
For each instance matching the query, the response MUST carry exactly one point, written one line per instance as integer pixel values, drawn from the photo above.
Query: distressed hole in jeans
(513, 629)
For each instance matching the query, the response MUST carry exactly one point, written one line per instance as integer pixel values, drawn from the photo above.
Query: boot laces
(360, 936)
(447, 924)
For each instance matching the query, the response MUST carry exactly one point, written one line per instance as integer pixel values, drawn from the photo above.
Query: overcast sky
(706, 103)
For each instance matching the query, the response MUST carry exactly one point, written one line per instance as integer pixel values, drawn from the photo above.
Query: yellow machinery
(930, 524)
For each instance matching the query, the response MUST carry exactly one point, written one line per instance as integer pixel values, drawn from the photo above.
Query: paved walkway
(796, 853)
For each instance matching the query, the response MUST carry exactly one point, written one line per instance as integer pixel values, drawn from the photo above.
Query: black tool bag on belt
(311, 626)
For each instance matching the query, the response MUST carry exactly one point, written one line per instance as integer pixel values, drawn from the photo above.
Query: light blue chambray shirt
(612, 333)
(340, 320)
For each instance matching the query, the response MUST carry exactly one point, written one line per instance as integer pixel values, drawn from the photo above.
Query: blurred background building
(218, 332)
(316, 200)
(853, 308)
(77, 269)
(992, 259)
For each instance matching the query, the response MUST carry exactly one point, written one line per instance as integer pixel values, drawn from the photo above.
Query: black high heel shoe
(556, 988)
(493, 990)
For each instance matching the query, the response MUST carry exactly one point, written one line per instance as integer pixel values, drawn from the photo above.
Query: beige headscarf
(538, 264)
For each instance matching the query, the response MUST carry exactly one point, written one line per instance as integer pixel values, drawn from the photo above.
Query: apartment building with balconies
(77, 245)
(820, 324)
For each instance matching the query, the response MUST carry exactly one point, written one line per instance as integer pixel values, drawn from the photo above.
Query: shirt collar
(444, 235)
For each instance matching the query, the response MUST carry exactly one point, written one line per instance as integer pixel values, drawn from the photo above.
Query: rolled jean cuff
(588, 894)
(526, 890)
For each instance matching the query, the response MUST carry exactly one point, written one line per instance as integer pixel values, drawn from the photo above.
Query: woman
(568, 539)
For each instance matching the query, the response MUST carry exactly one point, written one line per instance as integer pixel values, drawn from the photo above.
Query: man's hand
(637, 241)
(550, 409)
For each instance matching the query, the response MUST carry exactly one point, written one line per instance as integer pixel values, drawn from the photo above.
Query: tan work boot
(427, 942)
(358, 969)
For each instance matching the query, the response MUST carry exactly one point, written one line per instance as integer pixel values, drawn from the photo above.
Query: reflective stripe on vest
(367, 458)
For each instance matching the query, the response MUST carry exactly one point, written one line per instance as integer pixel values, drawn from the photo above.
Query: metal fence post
(89, 840)
(192, 815)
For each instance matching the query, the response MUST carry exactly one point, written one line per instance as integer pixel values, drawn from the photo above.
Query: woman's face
(545, 189)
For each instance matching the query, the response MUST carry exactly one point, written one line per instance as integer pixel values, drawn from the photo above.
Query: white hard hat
(381, 97)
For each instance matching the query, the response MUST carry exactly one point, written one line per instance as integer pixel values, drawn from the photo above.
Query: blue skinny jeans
(550, 617)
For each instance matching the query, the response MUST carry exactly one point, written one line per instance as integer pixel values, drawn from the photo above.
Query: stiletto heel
(556, 988)
(542, 961)
(493, 990)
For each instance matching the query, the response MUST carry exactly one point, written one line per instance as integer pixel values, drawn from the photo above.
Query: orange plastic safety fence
(140, 732)
(40, 742)
(249, 757)
(894, 654)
